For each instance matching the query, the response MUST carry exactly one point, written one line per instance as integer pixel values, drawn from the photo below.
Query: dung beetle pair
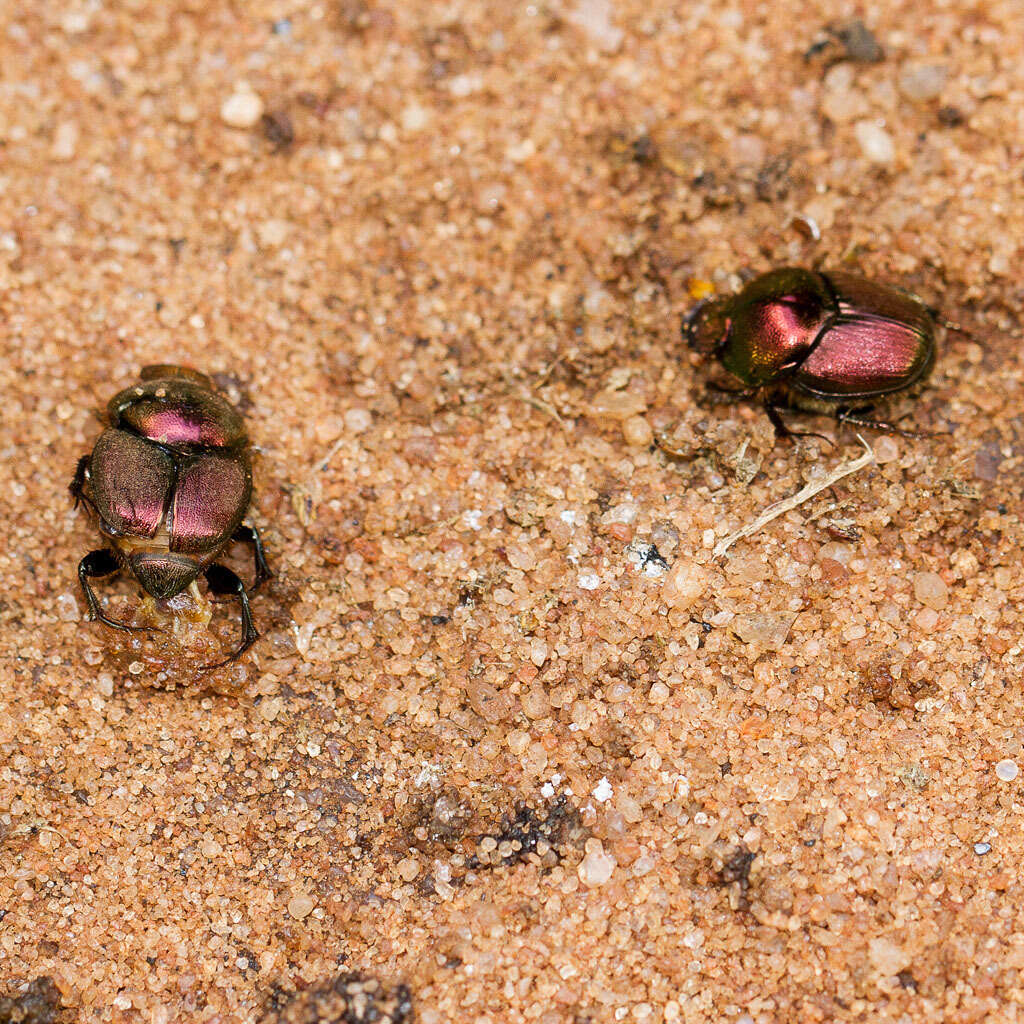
(822, 342)
(170, 481)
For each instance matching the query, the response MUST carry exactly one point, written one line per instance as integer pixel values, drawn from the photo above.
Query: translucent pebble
(242, 109)
(1006, 770)
(931, 590)
(923, 82)
(300, 906)
(875, 142)
(597, 867)
(684, 585)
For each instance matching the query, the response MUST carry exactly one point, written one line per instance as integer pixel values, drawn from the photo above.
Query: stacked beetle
(170, 481)
(822, 342)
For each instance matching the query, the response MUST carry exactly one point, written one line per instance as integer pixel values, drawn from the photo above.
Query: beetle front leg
(224, 583)
(77, 485)
(96, 565)
(250, 535)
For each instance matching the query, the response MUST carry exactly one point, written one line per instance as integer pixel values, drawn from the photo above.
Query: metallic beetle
(822, 342)
(170, 481)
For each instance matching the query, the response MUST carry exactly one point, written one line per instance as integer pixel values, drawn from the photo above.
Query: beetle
(169, 481)
(826, 342)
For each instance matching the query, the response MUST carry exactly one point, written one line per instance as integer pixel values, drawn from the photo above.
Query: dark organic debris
(347, 999)
(278, 130)
(846, 40)
(40, 1003)
(732, 865)
(528, 831)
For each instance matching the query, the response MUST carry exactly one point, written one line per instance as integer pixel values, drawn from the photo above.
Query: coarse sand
(515, 745)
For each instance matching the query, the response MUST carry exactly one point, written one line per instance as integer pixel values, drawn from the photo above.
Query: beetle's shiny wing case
(210, 500)
(881, 341)
(131, 481)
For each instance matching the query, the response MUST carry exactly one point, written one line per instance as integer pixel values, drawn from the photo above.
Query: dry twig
(804, 494)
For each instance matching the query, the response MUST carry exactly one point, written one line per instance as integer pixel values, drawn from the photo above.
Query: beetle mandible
(170, 481)
(828, 342)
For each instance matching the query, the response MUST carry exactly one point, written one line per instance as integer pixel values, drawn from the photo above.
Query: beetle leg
(250, 535)
(77, 485)
(224, 583)
(96, 565)
(848, 416)
(782, 430)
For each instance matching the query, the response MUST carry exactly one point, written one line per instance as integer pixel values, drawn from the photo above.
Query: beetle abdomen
(131, 482)
(210, 500)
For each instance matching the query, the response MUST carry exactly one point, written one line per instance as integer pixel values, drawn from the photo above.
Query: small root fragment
(805, 494)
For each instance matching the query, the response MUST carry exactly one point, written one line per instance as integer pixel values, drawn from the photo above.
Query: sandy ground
(496, 758)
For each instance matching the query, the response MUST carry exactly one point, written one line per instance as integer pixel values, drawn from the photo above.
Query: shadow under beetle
(170, 481)
(830, 343)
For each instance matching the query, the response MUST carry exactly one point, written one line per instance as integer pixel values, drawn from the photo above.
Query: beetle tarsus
(885, 426)
(250, 535)
(99, 564)
(225, 583)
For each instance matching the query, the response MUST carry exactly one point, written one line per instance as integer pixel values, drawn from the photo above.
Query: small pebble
(517, 741)
(270, 709)
(408, 868)
(300, 906)
(272, 233)
(684, 584)
(65, 141)
(242, 109)
(617, 405)
(414, 118)
(637, 432)
(875, 142)
(931, 590)
(886, 450)
(982, 848)
(597, 867)
(538, 652)
(922, 83)
(659, 693)
(1006, 770)
(887, 957)
(358, 421)
(764, 629)
(67, 608)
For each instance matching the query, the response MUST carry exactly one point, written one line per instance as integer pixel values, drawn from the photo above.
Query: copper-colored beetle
(170, 481)
(825, 342)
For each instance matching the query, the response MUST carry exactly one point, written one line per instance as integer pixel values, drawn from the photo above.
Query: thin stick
(805, 494)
